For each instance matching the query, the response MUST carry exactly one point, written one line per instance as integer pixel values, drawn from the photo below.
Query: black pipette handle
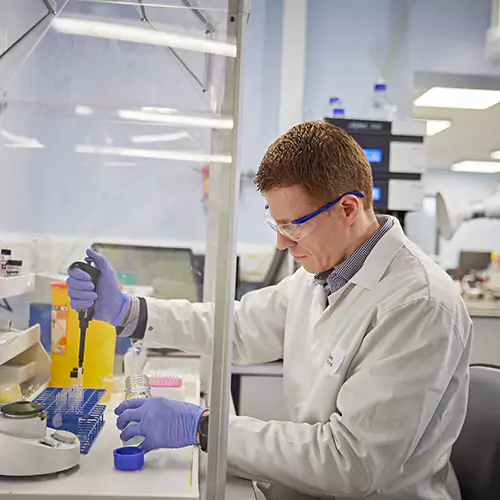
(86, 315)
(94, 273)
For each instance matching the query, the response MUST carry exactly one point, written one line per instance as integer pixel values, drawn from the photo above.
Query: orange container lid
(59, 284)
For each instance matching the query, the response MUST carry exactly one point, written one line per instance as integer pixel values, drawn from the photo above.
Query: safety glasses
(300, 228)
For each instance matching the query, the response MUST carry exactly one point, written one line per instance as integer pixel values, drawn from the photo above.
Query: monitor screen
(376, 193)
(474, 261)
(170, 271)
(373, 155)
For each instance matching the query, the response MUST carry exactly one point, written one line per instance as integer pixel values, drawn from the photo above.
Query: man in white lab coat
(375, 340)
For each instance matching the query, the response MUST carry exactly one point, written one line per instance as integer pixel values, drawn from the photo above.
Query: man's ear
(351, 205)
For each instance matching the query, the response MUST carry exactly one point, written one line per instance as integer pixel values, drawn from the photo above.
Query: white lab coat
(375, 377)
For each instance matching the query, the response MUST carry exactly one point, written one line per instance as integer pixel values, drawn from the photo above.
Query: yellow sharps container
(99, 344)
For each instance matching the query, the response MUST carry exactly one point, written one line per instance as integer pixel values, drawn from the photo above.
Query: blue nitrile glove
(162, 422)
(111, 304)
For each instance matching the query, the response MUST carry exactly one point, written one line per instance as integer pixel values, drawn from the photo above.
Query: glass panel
(18, 17)
(106, 129)
(107, 134)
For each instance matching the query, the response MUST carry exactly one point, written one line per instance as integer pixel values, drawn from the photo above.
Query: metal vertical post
(227, 179)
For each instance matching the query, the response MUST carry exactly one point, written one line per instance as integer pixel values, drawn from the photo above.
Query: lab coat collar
(380, 257)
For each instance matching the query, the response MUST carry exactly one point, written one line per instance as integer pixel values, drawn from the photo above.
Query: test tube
(72, 399)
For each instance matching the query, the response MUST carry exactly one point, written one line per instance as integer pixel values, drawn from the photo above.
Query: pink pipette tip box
(165, 382)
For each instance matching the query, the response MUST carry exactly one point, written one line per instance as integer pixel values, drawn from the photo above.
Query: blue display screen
(373, 155)
(376, 193)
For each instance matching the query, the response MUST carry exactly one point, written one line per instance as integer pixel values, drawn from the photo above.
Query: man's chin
(308, 265)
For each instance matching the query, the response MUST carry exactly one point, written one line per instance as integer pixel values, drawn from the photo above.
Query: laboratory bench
(485, 315)
(166, 474)
(482, 307)
(172, 474)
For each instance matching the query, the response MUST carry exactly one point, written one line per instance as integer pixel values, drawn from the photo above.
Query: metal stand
(227, 181)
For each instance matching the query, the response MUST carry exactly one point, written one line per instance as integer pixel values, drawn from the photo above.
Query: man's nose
(283, 243)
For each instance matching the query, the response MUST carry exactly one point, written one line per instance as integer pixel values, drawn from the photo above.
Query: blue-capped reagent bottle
(335, 108)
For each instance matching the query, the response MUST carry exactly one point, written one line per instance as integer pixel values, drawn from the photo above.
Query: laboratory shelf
(13, 343)
(24, 352)
(16, 285)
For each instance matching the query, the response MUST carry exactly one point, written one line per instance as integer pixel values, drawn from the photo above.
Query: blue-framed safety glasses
(302, 227)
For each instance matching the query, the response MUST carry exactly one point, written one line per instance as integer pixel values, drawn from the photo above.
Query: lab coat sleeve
(405, 364)
(259, 325)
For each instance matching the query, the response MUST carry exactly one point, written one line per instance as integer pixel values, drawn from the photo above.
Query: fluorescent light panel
(155, 109)
(148, 139)
(433, 127)
(483, 167)
(82, 110)
(194, 121)
(153, 154)
(125, 33)
(447, 97)
(32, 145)
(119, 164)
(21, 142)
(495, 155)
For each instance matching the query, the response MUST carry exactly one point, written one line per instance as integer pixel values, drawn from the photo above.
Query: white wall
(449, 36)
(349, 45)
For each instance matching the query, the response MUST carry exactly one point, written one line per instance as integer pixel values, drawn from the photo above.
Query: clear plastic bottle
(335, 108)
(136, 386)
(380, 107)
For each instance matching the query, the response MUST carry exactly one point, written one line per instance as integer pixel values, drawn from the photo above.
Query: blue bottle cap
(380, 86)
(129, 458)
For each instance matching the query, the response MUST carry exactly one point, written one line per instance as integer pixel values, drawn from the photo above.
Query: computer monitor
(170, 271)
(474, 261)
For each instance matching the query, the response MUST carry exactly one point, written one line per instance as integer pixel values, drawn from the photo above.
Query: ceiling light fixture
(195, 121)
(125, 33)
(447, 97)
(153, 154)
(119, 164)
(21, 142)
(155, 109)
(478, 166)
(82, 110)
(147, 139)
(433, 127)
(495, 155)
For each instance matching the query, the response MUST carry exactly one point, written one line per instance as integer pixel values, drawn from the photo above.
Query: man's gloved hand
(111, 304)
(163, 423)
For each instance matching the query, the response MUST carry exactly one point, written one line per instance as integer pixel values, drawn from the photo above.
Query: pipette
(84, 316)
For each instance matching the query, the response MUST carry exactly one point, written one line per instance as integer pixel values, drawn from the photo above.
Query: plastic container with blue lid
(129, 458)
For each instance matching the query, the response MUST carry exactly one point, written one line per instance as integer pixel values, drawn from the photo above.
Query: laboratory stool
(476, 454)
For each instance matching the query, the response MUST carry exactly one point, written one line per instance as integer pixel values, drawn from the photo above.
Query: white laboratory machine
(449, 219)
(396, 152)
(29, 447)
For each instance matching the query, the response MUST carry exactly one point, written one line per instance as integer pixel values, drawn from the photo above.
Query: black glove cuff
(203, 432)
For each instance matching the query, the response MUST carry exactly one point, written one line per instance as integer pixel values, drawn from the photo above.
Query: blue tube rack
(86, 422)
